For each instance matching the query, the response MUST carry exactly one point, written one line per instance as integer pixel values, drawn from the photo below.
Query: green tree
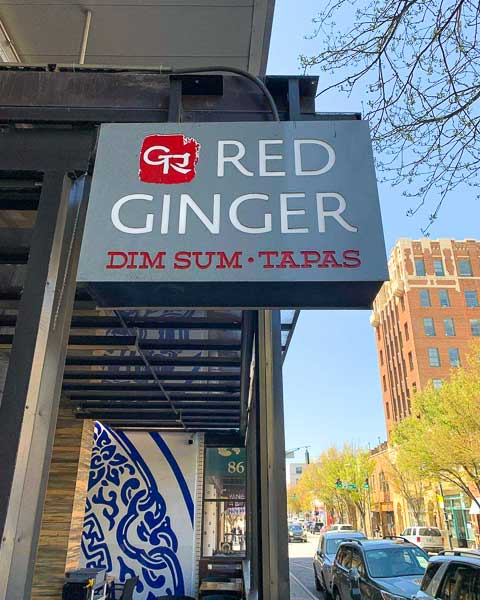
(293, 501)
(418, 62)
(352, 466)
(410, 484)
(440, 440)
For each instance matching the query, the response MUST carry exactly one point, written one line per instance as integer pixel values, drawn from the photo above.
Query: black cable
(256, 80)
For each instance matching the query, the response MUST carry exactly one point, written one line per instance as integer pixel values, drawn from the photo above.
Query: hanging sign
(234, 214)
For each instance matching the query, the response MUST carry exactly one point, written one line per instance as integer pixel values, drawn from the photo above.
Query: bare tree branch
(419, 62)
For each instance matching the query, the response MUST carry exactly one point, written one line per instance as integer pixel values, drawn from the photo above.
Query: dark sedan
(378, 570)
(328, 544)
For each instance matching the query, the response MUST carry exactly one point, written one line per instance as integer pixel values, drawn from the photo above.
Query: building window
(405, 329)
(464, 268)
(475, 327)
(454, 356)
(224, 502)
(402, 302)
(381, 357)
(471, 299)
(410, 361)
(420, 267)
(438, 267)
(298, 470)
(449, 327)
(434, 357)
(425, 298)
(444, 298)
(384, 384)
(387, 405)
(428, 326)
(437, 383)
(414, 387)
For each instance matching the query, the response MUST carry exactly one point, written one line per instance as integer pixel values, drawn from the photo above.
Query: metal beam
(159, 406)
(146, 387)
(146, 376)
(155, 361)
(273, 499)
(248, 325)
(32, 389)
(105, 322)
(147, 396)
(102, 342)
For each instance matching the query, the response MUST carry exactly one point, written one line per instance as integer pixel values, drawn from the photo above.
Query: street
(302, 583)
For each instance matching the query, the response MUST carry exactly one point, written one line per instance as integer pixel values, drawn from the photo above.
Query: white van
(429, 539)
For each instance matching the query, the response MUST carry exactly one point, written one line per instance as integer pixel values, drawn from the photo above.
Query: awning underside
(165, 368)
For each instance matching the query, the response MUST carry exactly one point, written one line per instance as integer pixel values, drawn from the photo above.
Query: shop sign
(256, 206)
(225, 462)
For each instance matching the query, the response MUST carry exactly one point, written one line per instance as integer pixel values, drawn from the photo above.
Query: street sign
(231, 214)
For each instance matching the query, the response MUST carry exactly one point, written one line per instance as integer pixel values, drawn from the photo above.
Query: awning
(475, 508)
(141, 33)
(163, 368)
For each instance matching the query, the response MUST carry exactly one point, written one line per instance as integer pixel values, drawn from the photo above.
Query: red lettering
(352, 257)
(329, 260)
(310, 257)
(148, 263)
(132, 256)
(268, 255)
(229, 263)
(287, 261)
(113, 256)
(182, 260)
(209, 255)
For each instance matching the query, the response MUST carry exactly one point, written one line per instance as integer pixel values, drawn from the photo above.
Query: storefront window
(224, 518)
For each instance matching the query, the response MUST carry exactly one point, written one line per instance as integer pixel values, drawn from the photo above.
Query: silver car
(325, 555)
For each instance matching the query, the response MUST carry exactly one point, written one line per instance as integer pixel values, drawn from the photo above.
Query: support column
(29, 407)
(271, 443)
(64, 509)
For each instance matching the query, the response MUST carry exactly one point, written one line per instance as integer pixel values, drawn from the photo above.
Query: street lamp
(291, 453)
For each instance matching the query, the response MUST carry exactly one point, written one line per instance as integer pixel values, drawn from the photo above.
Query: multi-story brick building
(425, 317)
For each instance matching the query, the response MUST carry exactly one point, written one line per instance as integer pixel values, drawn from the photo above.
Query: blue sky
(331, 386)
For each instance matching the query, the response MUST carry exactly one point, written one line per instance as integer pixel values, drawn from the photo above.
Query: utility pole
(445, 515)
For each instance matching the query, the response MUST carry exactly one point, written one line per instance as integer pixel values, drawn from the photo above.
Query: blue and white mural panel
(139, 517)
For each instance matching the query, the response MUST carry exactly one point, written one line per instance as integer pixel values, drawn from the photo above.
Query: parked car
(452, 575)
(341, 527)
(316, 527)
(323, 560)
(378, 570)
(296, 533)
(428, 538)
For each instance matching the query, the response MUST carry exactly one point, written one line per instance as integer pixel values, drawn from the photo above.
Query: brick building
(425, 317)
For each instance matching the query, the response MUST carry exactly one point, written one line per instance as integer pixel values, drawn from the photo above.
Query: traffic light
(307, 456)
(338, 483)
(366, 485)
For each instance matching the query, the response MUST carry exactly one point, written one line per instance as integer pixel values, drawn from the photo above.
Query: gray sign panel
(263, 204)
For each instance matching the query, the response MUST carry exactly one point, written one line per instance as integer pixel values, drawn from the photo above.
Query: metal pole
(32, 390)
(273, 501)
(86, 32)
(445, 516)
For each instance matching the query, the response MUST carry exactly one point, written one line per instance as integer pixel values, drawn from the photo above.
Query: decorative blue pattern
(157, 438)
(124, 502)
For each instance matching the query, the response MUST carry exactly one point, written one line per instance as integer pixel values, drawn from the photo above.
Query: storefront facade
(174, 384)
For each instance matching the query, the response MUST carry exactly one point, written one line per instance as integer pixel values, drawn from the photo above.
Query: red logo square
(168, 159)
